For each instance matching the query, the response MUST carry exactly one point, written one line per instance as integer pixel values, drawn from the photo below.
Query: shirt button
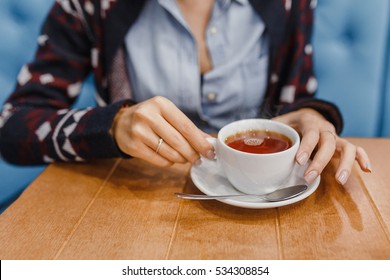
(213, 30)
(211, 96)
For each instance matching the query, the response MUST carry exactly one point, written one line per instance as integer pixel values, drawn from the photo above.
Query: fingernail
(368, 167)
(311, 176)
(302, 158)
(198, 162)
(210, 154)
(343, 177)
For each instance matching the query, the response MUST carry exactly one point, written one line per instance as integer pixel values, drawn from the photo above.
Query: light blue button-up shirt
(162, 59)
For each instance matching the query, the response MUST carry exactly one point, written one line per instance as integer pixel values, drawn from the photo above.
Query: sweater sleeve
(293, 79)
(37, 123)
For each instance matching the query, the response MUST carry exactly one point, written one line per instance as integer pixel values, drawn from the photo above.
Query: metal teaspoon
(278, 195)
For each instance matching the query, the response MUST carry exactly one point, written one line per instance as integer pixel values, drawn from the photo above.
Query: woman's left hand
(317, 132)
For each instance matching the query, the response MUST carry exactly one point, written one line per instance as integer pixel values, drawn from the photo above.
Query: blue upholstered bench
(19, 25)
(351, 43)
(20, 22)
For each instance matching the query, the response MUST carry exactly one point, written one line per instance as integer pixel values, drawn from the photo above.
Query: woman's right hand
(138, 129)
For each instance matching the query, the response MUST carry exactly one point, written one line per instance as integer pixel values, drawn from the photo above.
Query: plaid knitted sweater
(38, 124)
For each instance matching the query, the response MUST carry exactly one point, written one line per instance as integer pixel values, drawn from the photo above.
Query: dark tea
(259, 141)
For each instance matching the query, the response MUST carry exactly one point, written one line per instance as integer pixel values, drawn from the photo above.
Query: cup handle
(213, 141)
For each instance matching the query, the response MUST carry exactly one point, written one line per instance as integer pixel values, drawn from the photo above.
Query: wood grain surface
(126, 209)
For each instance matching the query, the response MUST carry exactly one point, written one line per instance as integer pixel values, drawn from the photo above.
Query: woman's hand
(319, 133)
(139, 128)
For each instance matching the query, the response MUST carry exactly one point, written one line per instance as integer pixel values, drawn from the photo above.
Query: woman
(168, 72)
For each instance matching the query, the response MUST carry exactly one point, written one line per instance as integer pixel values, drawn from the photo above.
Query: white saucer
(209, 179)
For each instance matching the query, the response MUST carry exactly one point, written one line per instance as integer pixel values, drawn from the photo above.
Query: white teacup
(254, 173)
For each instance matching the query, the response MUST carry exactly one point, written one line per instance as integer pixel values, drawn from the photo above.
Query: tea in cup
(256, 155)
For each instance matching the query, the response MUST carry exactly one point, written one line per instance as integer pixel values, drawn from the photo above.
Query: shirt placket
(187, 96)
(215, 42)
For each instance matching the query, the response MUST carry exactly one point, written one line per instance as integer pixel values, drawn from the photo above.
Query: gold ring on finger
(160, 142)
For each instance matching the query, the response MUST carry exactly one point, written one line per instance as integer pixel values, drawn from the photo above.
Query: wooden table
(126, 209)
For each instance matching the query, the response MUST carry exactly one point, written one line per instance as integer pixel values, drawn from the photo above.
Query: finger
(156, 159)
(165, 150)
(150, 155)
(309, 141)
(187, 129)
(137, 143)
(363, 160)
(289, 118)
(205, 135)
(175, 139)
(326, 149)
(347, 159)
(145, 135)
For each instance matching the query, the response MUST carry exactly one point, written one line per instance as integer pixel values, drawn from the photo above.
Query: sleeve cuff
(329, 110)
(101, 143)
